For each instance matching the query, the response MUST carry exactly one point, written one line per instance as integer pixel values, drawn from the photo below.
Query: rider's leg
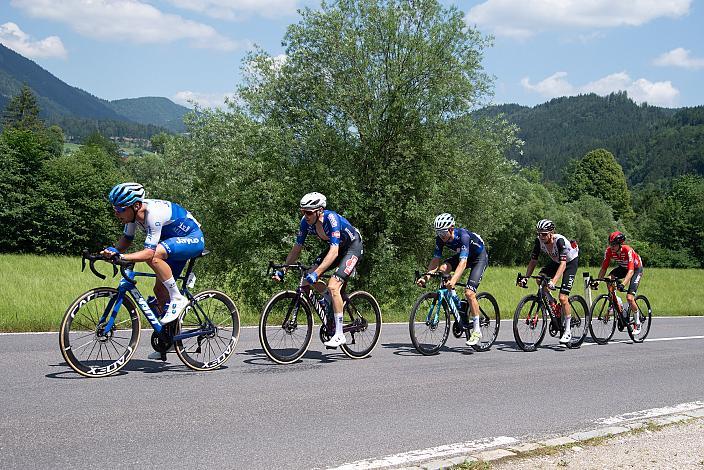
(168, 262)
(164, 275)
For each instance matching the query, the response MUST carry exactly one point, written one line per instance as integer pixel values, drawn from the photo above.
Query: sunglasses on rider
(543, 234)
(120, 209)
(442, 233)
(308, 213)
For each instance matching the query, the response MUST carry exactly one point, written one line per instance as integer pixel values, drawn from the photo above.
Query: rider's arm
(293, 254)
(123, 244)
(531, 267)
(145, 254)
(458, 272)
(631, 267)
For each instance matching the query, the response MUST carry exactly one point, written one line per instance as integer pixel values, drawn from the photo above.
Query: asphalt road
(327, 409)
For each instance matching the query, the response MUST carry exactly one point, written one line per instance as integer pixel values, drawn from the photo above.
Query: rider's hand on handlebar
(522, 282)
(421, 281)
(621, 287)
(109, 252)
(278, 275)
(551, 285)
(594, 285)
(312, 277)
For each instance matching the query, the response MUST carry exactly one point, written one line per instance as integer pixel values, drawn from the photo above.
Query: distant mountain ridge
(60, 102)
(651, 143)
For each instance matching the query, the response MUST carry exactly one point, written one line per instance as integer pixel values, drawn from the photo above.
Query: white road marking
(413, 456)
(651, 413)
(649, 340)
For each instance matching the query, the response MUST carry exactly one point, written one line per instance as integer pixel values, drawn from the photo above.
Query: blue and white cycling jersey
(336, 230)
(463, 241)
(163, 220)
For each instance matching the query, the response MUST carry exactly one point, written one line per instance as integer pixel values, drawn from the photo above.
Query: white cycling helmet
(313, 201)
(545, 225)
(444, 222)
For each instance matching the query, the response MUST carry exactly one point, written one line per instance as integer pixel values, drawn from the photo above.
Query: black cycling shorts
(476, 265)
(620, 272)
(346, 260)
(567, 277)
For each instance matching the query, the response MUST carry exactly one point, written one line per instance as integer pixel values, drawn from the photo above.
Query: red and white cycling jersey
(626, 257)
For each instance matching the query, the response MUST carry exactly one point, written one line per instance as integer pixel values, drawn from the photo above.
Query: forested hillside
(152, 110)
(649, 142)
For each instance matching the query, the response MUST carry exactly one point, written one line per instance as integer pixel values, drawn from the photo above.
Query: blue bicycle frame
(128, 285)
(433, 317)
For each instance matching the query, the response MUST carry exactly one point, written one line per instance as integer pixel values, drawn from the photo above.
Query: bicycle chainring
(159, 344)
(457, 330)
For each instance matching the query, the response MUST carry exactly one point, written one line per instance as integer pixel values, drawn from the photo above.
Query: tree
(600, 175)
(96, 139)
(371, 92)
(158, 142)
(23, 111)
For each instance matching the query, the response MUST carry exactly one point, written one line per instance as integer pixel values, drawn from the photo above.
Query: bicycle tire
(274, 329)
(489, 321)
(112, 355)
(208, 351)
(580, 319)
(367, 318)
(534, 321)
(435, 336)
(603, 324)
(646, 319)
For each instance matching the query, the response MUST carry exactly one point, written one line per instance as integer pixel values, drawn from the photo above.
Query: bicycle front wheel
(529, 323)
(489, 320)
(214, 316)
(362, 332)
(429, 324)
(579, 320)
(603, 322)
(285, 327)
(86, 346)
(646, 317)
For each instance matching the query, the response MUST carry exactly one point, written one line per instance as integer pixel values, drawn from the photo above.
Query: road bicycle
(100, 330)
(530, 321)
(286, 324)
(429, 327)
(609, 312)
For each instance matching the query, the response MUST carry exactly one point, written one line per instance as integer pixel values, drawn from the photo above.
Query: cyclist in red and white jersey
(564, 257)
(630, 269)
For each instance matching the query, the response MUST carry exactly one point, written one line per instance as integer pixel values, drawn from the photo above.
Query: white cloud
(238, 9)
(204, 100)
(14, 38)
(679, 58)
(127, 20)
(525, 18)
(640, 90)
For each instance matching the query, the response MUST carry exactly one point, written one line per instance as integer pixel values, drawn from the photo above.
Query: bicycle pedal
(330, 347)
(163, 356)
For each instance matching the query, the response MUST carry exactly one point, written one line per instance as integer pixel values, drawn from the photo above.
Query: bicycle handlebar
(443, 277)
(115, 261)
(542, 277)
(302, 268)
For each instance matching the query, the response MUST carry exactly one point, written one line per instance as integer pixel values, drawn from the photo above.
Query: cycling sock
(476, 323)
(567, 323)
(636, 316)
(170, 285)
(338, 323)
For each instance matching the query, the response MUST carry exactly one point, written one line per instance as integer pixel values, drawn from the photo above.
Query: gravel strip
(674, 446)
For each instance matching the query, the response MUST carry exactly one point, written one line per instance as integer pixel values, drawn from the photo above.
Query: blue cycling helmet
(126, 194)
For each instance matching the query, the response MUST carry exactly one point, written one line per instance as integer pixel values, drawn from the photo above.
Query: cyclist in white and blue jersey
(173, 236)
(470, 252)
(343, 252)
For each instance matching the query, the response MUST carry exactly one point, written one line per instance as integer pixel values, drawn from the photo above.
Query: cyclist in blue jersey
(173, 236)
(470, 252)
(343, 252)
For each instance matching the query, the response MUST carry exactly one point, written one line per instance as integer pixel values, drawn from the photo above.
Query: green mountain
(77, 111)
(650, 142)
(152, 110)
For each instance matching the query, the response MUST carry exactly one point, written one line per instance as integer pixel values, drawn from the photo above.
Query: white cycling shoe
(636, 330)
(156, 355)
(566, 338)
(173, 310)
(336, 341)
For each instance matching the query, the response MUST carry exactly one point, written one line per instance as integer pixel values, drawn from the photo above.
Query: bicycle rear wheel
(603, 322)
(489, 320)
(285, 327)
(215, 315)
(86, 347)
(529, 323)
(646, 317)
(429, 324)
(362, 332)
(579, 320)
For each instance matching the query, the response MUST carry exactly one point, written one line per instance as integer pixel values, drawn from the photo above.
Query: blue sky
(192, 49)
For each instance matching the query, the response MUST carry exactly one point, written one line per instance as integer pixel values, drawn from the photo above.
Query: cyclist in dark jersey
(630, 269)
(343, 252)
(564, 257)
(470, 252)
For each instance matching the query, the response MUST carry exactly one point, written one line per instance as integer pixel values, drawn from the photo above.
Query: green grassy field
(36, 290)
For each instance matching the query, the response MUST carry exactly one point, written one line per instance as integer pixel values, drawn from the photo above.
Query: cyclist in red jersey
(630, 269)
